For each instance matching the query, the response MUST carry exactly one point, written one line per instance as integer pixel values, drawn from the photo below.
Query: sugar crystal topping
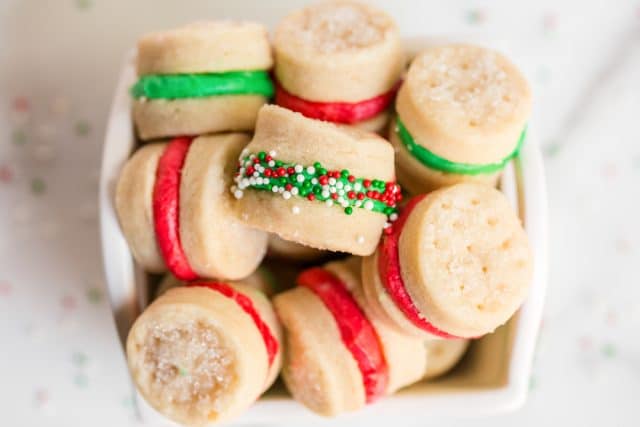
(335, 27)
(471, 83)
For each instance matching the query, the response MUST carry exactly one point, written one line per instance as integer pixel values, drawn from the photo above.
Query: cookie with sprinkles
(339, 358)
(456, 264)
(200, 354)
(201, 78)
(338, 61)
(315, 183)
(174, 208)
(462, 113)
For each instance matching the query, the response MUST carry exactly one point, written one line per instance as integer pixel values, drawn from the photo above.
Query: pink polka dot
(40, 396)
(586, 343)
(69, 303)
(5, 289)
(21, 104)
(6, 174)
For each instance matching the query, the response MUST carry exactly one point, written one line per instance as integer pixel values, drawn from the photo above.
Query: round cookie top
(205, 47)
(465, 259)
(467, 103)
(296, 138)
(331, 28)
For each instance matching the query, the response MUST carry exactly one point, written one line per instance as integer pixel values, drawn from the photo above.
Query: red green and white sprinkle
(262, 171)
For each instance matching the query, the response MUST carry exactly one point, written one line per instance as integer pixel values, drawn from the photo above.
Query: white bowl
(493, 376)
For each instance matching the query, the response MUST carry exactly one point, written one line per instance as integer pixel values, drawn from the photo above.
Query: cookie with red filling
(338, 61)
(337, 357)
(456, 264)
(202, 353)
(174, 208)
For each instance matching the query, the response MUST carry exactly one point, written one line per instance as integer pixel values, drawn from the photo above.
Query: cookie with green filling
(462, 114)
(201, 78)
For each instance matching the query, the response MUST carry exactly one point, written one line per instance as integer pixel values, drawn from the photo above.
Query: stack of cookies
(402, 249)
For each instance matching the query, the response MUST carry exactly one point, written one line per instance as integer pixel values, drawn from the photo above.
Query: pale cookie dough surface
(443, 355)
(318, 369)
(205, 47)
(134, 206)
(465, 103)
(339, 51)
(417, 178)
(405, 355)
(376, 124)
(196, 356)
(159, 118)
(215, 243)
(297, 139)
(465, 259)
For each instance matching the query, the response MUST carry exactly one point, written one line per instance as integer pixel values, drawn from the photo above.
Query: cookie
(174, 207)
(262, 280)
(201, 78)
(443, 355)
(337, 358)
(338, 61)
(317, 184)
(462, 112)
(456, 264)
(202, 353)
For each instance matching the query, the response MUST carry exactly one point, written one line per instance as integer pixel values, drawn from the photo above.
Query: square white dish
(493, 376)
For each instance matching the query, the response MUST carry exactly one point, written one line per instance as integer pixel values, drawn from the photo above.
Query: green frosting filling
(175, 86)
(436, 162)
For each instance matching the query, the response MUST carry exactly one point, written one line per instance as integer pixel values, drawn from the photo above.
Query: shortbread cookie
(202, 78)
(202, 353)
(457, 263)
(290, 251)
(443, 355)
(338, 61)
(315, 183)
(174, 207)
(337, 358)
(262, 280)
(462, 115)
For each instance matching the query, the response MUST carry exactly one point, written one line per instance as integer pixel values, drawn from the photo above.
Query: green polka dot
(84, 4)
(19, 137)
(128, 402)
(81, 380)
(636, 163)
(533, 383)
(183, 372)
(82, 128)
(552, 149)
(609, 351)
(94, 295)
(79, 358)
(38, 186)
(474, 17)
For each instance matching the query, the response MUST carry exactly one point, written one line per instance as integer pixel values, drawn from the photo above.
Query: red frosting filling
(357, 333)
(391, 276)
(336, 112)
(270, 342)
(166, 196)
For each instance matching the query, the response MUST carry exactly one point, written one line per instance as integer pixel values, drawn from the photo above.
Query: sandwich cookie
(456, 264)
(174, 208)
(338, 61)
(462, 113)
(443, 355)
(262, 280)
(337, 357)
(317, 184)
(202, 78)
(202, 353)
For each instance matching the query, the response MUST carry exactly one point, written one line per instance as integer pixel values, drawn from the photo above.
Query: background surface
(60, 361)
